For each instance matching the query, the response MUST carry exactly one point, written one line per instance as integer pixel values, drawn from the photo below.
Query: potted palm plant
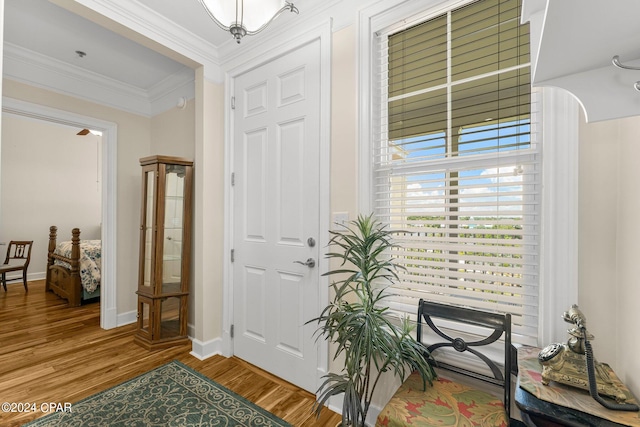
(370, 340)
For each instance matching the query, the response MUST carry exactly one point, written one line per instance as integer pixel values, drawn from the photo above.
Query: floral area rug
(171, 395)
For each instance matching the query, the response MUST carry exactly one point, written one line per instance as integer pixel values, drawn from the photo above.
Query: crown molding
(156, 28)
(41, 71)
(165, 95)
(175, 81)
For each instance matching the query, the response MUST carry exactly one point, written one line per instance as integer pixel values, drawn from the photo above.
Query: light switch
(340, 218)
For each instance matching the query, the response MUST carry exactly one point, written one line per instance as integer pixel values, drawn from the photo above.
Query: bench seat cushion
(447, 403)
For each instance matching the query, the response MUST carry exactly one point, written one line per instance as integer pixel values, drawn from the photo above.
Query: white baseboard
(335, 404)
(204, 350)
(30, 276)
(109, 318)
(127, 318)
(34, 276)
(200, 350)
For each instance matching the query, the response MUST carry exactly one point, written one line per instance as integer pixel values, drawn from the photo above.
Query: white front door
(276, 154)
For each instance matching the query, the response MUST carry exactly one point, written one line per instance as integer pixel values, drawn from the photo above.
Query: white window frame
(559, 241)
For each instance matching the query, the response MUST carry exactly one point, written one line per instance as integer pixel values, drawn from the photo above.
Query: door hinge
(231, 331)
(233, 179)
(233, 255)
(233, 102)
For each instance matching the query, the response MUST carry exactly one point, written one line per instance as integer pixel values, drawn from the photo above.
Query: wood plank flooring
(52, 353)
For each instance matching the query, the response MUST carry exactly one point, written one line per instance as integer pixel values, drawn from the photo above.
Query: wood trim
(150, 160)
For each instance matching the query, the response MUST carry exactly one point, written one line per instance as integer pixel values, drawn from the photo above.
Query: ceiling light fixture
(245, 17)
(86, 131)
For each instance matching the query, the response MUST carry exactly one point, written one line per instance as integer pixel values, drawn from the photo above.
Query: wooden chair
(18, 257)
(458, 399)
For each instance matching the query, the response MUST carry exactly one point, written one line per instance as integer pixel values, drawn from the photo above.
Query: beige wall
(344, 161)
(627, 310)
(609, 243)
(134, 136)
(196, 132)
(48, 168)
(173, 132)
(208, 256)
(344, 142)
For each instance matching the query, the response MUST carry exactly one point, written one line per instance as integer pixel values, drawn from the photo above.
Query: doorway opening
(108, 190)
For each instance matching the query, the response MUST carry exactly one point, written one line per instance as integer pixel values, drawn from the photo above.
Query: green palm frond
(356, 321)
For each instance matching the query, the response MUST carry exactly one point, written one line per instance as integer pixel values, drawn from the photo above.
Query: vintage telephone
(573, 364)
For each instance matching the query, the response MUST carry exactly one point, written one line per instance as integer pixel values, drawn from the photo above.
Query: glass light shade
(245, 17)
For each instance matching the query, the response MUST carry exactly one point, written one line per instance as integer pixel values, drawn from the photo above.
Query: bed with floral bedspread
(90, 258)
(73, 267)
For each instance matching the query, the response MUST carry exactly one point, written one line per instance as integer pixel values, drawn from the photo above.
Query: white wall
(50, 176)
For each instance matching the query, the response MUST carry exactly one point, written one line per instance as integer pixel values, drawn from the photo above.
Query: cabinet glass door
(147, 226)
(170, 314)
(173, 229)
(144, 315)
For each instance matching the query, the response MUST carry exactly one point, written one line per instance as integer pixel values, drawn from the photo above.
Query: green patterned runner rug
(171, 395)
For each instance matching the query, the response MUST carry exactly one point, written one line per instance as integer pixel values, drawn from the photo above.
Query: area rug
(171, 395)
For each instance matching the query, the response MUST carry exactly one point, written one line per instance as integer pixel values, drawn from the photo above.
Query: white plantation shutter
(456, 162)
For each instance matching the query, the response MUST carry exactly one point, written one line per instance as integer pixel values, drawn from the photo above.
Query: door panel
(290, 338)
(291, 182)
(255, 182)
(276, 210)
(255, 294)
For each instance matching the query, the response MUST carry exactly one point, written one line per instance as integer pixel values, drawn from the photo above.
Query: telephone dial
(573, 364)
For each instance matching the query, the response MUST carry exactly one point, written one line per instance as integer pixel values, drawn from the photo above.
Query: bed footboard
(62, 281)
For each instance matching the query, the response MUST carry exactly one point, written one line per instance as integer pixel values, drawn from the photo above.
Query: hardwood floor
(52, 353)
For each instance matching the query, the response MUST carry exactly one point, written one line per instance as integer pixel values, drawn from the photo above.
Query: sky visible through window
(425, 192)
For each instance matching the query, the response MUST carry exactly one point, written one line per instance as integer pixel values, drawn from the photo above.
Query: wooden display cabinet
(165, 252)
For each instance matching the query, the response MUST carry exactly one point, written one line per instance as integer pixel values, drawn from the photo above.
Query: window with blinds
(456, 163)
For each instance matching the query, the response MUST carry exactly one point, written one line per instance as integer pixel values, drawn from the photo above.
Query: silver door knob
(309, 262)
